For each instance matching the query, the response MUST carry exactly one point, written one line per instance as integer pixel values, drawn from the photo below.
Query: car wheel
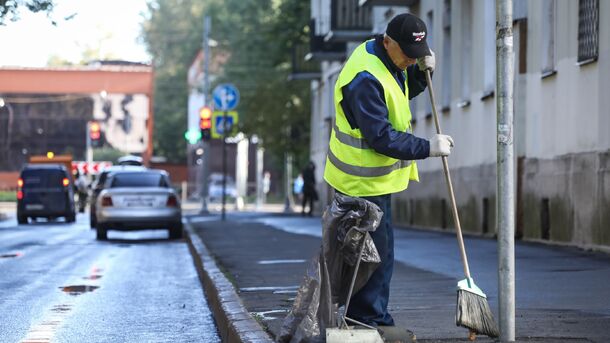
(71, 218)
(101, 233)
(22, 219)
(175, 231)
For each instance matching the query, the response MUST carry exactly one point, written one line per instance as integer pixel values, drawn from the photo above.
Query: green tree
(172, 34)
(258, 35)
(10, 8)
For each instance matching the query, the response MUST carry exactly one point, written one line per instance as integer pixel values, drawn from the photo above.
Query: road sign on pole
(226, 97)
(218, 123)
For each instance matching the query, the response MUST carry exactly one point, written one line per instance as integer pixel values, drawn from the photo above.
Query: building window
(549, 8)
(446, 61)
(489, 37)
(588, 30)
(466, 52)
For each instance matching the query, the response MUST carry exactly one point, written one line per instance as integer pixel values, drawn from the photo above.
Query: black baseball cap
(410, 33)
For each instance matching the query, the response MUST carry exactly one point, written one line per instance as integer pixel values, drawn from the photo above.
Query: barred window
(588, 30)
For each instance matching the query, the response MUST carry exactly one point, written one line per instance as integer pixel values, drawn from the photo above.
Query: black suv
(45, 191)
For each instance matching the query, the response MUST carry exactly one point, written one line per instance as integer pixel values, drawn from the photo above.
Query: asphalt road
(58, 284)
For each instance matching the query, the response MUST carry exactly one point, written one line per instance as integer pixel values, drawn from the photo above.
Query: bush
(8, 196)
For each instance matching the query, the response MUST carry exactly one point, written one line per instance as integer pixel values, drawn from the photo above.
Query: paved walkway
(562, 293)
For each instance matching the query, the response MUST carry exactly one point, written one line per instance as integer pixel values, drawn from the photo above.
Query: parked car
(130, 160)
(215, 187)
(45, 191)
(98, 185)
(133, 200)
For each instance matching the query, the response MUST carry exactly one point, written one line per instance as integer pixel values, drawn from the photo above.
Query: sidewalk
(7, 209)
(265, 264)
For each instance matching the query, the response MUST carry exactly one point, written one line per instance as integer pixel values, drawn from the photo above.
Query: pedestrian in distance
(297, 187)
(372, 150)
(310, 195)
(81, 187)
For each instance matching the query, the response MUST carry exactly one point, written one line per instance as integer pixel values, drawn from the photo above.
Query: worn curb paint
(234, 322)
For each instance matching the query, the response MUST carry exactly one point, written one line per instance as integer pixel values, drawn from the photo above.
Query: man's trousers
(370, 304)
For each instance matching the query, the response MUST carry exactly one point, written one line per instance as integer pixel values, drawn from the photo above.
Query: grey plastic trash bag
(325, 286)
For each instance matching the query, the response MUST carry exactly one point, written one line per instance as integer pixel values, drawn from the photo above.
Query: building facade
(562, 149)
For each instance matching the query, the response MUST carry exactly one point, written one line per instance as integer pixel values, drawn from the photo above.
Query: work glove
(427, 62)
(440, 145)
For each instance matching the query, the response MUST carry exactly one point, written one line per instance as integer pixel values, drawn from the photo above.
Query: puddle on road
(44, 331)
(13, 255)
(79, 289)
(61, 308)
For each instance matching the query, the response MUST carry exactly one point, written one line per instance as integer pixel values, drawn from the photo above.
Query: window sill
(487, 95)
(587, 61)
(548, 73)
(463, 103)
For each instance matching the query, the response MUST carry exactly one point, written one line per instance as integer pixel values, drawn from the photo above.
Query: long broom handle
(456, 217)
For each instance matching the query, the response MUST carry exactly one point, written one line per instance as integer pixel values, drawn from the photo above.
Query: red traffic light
(205, 118)
(205, 113)
(95, 131)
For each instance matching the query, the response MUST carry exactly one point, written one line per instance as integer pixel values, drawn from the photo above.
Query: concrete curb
(234, 322)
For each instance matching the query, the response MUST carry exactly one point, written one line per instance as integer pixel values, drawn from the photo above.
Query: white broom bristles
(473, 313)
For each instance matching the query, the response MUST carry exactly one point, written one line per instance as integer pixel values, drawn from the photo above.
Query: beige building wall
(561, 131)
(562, 121)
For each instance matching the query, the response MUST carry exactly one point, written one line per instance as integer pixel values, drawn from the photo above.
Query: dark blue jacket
(365, 109)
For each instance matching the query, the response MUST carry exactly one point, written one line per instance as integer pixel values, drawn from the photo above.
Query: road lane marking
(280, 261)
(269, 288)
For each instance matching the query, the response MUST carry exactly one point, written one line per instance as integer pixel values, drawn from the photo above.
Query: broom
(472, 308)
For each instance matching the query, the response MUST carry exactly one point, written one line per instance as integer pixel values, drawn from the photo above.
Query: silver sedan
(137, 201)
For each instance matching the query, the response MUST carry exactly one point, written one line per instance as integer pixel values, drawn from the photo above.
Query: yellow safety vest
(352, 166)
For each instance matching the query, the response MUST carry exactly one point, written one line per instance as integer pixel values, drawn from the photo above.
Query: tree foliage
(258, 35)
(172, 34)
(10, 8)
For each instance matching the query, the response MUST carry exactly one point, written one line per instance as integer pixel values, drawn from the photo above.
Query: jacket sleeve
(364, 106)
(416, 81)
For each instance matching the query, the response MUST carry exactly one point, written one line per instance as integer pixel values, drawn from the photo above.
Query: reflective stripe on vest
(354, 142)
(366, 171)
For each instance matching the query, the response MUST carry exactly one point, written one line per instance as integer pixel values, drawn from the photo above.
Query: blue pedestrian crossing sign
(226, 97)
(218, 123)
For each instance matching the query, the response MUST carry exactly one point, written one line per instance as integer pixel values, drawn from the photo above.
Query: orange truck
(50, 158)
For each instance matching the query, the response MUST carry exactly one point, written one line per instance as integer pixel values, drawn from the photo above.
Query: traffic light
(205, 122)
(95, 134)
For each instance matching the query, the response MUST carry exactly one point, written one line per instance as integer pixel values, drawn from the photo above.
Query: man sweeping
(372, 151)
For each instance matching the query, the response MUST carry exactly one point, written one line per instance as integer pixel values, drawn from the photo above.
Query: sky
(113, 26)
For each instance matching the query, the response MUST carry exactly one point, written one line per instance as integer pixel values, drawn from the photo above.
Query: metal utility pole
(89, 149)
(225, 128)
(259, 175)
(505, 169)
(205, 159)
(289, 201)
